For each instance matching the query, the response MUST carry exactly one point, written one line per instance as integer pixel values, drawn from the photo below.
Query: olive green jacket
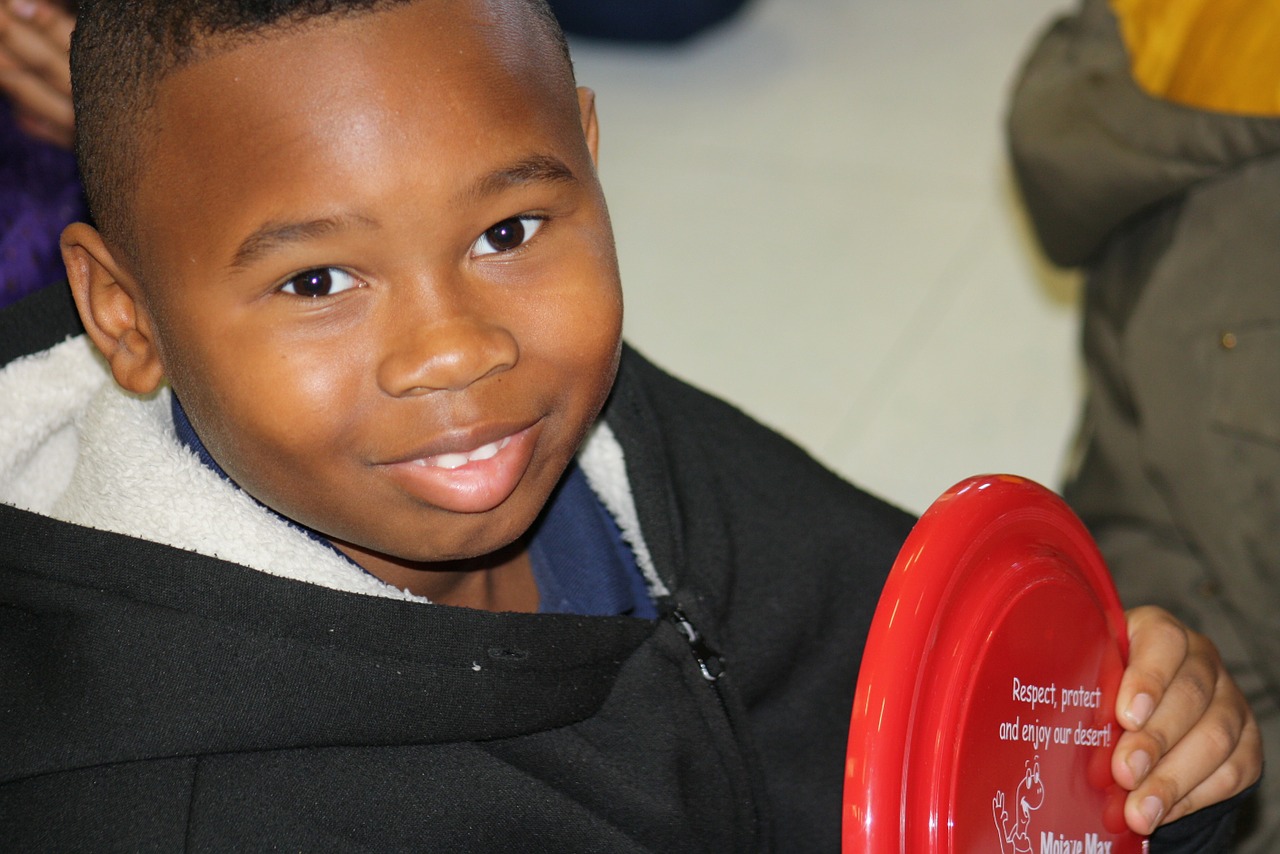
(1175, 215)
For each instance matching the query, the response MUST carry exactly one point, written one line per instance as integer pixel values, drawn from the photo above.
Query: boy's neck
(502, 581)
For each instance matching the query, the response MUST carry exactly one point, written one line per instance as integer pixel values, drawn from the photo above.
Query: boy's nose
(446, 355)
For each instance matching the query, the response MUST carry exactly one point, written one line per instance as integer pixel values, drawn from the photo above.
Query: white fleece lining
(41, 395)
(75, 447)
(605, 466)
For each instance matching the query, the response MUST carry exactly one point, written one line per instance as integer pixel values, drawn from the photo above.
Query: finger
(38, 128)
(1207, 748)
(1219, 756)
(1199, 695)
(1158, 645)
(1239, 772)
(7, 60)
(34, 99)
(35, 47)
(1194, 776)
(50, 18)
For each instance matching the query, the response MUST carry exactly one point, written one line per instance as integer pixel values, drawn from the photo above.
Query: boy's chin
(433, 557)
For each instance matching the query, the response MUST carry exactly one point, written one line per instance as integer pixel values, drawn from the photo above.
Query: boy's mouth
(469, 481)
(458, 460)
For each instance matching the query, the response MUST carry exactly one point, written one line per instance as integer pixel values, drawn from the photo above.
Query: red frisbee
(984, 714)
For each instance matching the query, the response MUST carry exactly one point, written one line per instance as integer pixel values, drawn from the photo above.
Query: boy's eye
(507, 235)
(321, 282)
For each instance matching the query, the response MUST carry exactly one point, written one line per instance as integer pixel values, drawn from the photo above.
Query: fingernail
(1152, 808)
(23, 8)
(1139, 763)
(1140, 709)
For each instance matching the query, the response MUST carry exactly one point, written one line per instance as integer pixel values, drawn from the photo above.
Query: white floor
(815, 221)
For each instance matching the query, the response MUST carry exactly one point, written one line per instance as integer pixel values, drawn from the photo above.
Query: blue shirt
(581, 564)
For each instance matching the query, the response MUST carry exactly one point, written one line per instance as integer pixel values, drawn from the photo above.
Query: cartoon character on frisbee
(1029, 796)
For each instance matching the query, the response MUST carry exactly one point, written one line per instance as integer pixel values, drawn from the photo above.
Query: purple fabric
(39, 194)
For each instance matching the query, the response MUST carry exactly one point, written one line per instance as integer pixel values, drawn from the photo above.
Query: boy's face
(381, 273)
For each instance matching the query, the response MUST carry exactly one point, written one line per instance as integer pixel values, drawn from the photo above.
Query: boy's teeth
(486, 452)
(449, 461)
(453, 461)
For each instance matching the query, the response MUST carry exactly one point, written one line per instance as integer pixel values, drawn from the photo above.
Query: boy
(366, 250)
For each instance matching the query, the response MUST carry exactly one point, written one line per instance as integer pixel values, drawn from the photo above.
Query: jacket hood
(1091, 149)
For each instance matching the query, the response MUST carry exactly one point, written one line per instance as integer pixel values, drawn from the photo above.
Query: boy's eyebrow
(535, 168)
(272, 235)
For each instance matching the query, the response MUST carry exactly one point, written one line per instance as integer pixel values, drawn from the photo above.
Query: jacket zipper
(709, 661)
(712, 667)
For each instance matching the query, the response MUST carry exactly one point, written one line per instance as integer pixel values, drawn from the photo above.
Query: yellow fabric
(1221, 55)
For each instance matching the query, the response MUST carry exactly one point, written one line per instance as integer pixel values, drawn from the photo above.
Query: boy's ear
(112, 309)
(590, 129)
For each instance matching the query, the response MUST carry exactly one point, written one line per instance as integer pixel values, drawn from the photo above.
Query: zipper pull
(709, 661)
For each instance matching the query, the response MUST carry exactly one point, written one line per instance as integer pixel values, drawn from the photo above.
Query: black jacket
(158, 699)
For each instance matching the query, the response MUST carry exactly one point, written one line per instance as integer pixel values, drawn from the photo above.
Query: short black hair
(122, 49)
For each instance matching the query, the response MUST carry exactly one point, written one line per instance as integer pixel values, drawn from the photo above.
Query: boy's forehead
(458, 46)
(337, 91)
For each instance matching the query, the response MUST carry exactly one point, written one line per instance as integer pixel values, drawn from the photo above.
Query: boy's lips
(478, 476)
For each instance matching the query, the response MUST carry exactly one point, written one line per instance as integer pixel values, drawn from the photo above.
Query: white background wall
(815, 221)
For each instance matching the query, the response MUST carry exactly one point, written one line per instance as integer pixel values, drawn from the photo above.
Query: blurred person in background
(1146, 141)
(39, 191)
